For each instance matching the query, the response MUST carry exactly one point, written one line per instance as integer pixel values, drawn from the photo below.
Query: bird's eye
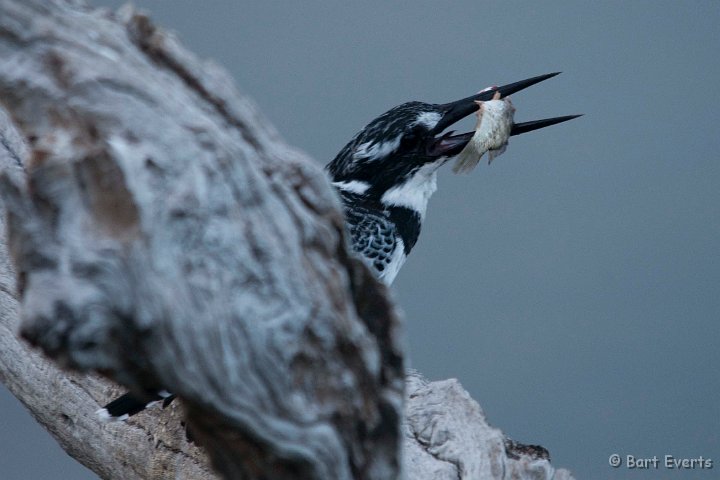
(411, 138)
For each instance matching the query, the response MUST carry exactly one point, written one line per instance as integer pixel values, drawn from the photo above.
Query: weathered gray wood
(149, 446)
(164, 235)
(447, 437)
(167, 238)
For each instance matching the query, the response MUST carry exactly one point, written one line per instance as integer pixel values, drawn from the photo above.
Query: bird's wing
(373, 236)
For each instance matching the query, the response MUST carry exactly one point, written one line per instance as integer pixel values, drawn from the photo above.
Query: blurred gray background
(574, 285)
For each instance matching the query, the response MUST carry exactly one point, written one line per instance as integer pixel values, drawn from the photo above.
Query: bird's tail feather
(128, 404)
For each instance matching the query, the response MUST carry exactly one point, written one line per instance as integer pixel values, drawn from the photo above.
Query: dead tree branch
(163, 235)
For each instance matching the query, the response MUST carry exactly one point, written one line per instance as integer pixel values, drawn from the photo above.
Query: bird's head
(394, 159)
(390, 149)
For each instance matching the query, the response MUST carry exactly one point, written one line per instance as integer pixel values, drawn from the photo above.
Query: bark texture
(167, 238)
(162, 234)
(447, 437)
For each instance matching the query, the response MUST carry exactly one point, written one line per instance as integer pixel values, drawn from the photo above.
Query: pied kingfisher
(385, 176)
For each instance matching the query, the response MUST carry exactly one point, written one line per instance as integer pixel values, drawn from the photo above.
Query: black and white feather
(385, 178)
(128, 404)
(374, 236)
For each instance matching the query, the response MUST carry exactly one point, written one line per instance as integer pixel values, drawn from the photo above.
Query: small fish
(495, 121)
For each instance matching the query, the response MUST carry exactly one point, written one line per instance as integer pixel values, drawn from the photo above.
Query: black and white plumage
(385, 177)
(375, 236)
(128, 404)
(387, 173)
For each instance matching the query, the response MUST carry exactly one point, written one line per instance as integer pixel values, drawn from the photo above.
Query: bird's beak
(449, 145)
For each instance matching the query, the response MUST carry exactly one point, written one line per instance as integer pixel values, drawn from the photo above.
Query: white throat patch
(415, 192)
